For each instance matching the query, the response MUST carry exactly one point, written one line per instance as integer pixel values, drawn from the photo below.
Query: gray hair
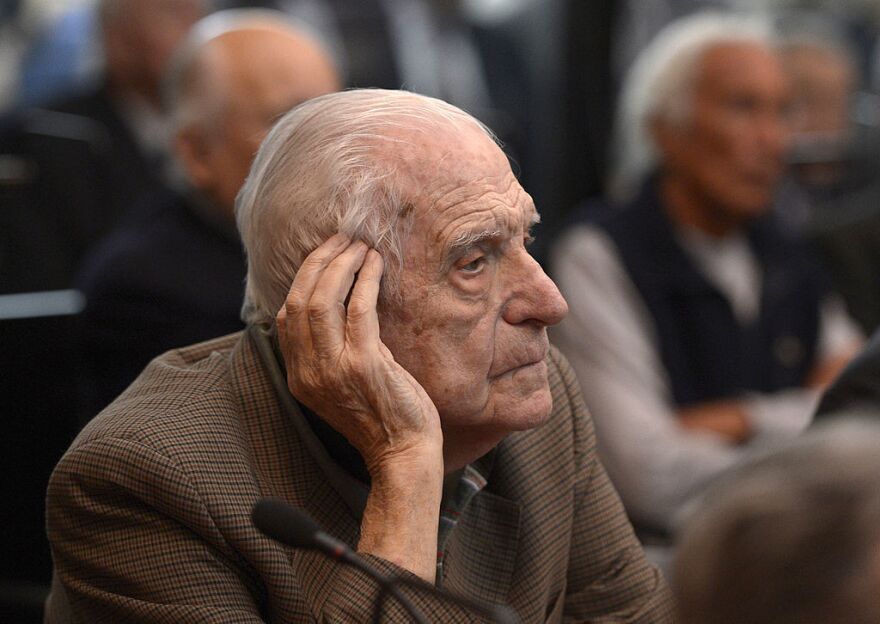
(660, 85)
(793, 536)
(192, 91)
(328, 166)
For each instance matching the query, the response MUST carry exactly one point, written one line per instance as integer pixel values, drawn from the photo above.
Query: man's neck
(463, 446)
(686, 206)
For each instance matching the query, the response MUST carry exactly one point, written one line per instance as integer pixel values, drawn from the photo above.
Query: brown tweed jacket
(149, 513)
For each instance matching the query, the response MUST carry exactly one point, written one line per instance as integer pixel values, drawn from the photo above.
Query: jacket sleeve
(609, 579)
(133, 541)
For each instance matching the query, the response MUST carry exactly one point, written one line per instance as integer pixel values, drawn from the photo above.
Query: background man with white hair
(696, 326)
(401, 390)
(173, 274)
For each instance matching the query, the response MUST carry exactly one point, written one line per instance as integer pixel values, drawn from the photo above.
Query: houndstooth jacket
(149, 513)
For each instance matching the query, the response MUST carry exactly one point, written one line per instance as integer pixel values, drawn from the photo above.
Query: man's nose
(534, 297)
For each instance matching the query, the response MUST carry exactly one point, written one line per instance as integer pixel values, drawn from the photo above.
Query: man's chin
(529, 412)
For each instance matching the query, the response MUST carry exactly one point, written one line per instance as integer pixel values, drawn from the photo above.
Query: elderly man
(697, 329)
(395, 381)
(790, 538)
(173, 275)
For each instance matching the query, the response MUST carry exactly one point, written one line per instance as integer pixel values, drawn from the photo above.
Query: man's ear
(194, 153)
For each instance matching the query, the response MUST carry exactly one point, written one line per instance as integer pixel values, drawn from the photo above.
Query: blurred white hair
(192, 90)
(327, 166)
(660, 85)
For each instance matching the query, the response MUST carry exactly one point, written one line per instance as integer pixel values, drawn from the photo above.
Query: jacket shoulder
(174, 392)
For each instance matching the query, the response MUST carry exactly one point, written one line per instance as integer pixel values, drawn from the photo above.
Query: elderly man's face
(729, 155)
(475, 304)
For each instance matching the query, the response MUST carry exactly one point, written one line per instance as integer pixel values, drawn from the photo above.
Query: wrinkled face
(472, 324)
(729, 154)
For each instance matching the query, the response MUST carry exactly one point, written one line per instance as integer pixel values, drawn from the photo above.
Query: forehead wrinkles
(460, 213)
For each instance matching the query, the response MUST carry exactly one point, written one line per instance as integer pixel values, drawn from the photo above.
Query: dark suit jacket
(149, 512)
(82, 170)
(167, 277)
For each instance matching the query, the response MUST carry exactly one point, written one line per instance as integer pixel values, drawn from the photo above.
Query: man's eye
(474, 266)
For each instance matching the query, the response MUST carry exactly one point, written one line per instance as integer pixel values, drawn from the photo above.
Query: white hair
(192, 89)
(328, 166)
(660, 85)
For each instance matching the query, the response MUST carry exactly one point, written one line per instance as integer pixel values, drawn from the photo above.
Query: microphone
(288, 525)
(291, 526)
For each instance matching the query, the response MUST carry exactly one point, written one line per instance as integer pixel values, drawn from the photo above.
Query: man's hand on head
(338, 366)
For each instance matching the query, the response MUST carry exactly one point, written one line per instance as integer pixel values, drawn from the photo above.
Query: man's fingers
(291, 319)
(312, 268)
(363, 320)
(326, 307)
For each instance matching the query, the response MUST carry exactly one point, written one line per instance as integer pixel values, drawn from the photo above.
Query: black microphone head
(284, 523)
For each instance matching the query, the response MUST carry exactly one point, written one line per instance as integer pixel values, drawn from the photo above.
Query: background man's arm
(786, 412)
(609, 579)
(655, 462)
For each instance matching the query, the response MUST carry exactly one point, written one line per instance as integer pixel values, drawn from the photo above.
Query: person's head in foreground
(704, 108)
(422, 198)
(234, 76)
(793, 537)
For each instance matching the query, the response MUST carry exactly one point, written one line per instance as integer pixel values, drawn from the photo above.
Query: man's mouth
(537, 358)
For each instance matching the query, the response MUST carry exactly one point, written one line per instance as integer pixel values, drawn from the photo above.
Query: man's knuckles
(321, 309)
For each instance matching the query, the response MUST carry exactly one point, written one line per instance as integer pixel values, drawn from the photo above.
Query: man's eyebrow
(466, 240)
(534, 219)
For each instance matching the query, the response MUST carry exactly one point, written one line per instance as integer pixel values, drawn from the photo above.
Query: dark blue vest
(707, 353)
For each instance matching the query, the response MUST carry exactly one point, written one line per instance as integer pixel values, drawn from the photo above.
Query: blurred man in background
(791, 538)
(89, 157)
(835, 168)
(173, 274)
(68, 172)
(696, 328)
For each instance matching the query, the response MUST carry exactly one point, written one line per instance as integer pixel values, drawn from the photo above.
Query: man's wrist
(400, 520)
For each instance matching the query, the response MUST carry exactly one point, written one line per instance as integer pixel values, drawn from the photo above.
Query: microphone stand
(494, 613)
(387, 585)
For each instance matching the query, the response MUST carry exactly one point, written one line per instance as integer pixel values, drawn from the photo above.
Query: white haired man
(396, 352)
(697, 330)
(173, 274)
